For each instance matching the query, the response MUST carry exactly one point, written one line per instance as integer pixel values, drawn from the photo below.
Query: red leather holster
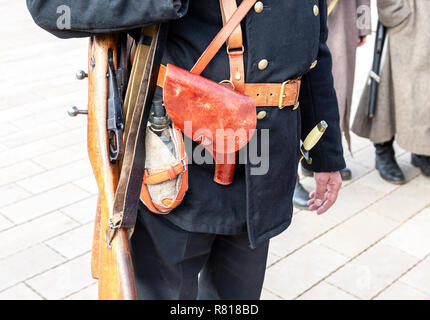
(220, 119)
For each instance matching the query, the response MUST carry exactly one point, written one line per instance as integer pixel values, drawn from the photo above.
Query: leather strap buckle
(282, 95)
(184, 161)
(234, 51)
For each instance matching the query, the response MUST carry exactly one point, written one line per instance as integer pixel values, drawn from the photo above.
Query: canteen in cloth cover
(165, 179)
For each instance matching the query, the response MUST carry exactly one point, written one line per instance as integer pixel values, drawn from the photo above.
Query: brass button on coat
(313, 65)
(263, 64)
(316, 10)
(261, 115)
(258, 7)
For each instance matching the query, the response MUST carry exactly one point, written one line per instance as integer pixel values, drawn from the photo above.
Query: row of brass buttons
(258, 8)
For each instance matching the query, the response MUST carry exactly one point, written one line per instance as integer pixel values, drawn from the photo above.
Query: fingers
(321, 181)
(313, 206)
(325, 195)
(330, 200)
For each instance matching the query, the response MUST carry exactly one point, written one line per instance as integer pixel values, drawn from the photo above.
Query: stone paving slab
(64, 280)
(419, 277)
(73, 243)
(372, 271)
(43, 203)
(20, 292)
(401, 291)
(27, 263)
(25, 235)
(292, 276)
(358, 233)
(373, 244)
(326, 291)
(413, 236)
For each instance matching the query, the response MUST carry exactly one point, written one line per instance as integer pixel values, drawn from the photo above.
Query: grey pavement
(373, 244)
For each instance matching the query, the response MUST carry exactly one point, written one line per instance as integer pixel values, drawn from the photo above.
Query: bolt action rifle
(111, 263)
(118, 103)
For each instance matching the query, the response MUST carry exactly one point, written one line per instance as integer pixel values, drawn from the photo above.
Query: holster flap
(220, 118)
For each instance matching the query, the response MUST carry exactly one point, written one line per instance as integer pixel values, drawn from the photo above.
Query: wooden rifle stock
(112, 265)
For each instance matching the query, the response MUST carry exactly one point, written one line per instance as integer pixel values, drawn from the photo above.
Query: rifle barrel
(377, 58)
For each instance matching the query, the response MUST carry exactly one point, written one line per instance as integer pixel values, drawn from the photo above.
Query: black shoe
(387, 165)
(344, 173)
(422, 162)
(300, 197)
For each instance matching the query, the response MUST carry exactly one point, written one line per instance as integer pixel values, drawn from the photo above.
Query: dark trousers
(173, 264)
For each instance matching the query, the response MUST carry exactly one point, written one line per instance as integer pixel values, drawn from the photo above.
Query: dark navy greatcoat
(291, 35)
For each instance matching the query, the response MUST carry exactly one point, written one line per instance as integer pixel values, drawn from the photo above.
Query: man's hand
(325, 195)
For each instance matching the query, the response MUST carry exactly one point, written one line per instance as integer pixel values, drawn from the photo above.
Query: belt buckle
(282, 95)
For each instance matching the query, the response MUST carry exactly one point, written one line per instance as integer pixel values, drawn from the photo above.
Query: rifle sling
(127, 196)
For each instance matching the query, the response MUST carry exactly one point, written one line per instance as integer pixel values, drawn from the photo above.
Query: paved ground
(374, 244)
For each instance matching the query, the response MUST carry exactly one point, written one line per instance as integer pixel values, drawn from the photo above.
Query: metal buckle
(228, 81)
(282, 95)
(111, 224)
(241, 51)
(184, 164)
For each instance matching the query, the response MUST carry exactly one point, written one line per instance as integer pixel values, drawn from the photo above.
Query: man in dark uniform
(223, 232)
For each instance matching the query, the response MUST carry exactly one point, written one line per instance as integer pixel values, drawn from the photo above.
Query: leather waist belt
(265, 94)
(274, 94)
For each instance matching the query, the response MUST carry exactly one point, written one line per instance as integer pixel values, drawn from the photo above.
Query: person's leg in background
(386, 163)
(422, 162)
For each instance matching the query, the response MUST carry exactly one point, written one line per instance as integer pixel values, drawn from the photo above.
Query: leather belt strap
(222, 36)
(234, 47)
(228, 7)
(274, 94)
(162, 175)
(264, 94)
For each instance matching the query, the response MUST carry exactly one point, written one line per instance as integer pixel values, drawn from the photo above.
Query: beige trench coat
(348, 20)
(403, 103)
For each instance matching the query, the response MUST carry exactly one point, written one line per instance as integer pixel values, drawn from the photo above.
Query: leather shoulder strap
(228, 8)
(235, 47)
(222, 36)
